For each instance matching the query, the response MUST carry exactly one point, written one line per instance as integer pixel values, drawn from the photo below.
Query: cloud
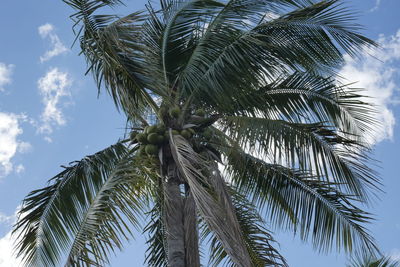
(8, 219)
(7, 242)
(57, 47)
(9, 143)
(53, 87)
(377, 73)
(19, 169)
(7, 256)
(5, 74)
(376, 6)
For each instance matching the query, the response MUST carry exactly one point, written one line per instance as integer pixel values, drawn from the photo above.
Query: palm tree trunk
(174, 224)
(180, 223)
(192, 256)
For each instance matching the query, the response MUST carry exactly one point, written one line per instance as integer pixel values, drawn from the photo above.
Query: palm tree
(237, 126)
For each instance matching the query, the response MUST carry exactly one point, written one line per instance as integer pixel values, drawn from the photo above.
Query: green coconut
(175, 112)
(142, 138)
(153, 138)
(161, 129)
(151, 150)
(200, 112)
(141, 150)
(163, 111)
(175, 132)
(191, 130)
(186, 133)
(151, 129)
(133, 135)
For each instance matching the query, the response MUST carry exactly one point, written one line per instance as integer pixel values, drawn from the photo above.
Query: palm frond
(300, 201)
(304, 97)
(64, 214)
(258, 239)
(182, 19)
(118, 205)
(114, 53)
(312, 148)
(232, 57)
(312, 37)
(156, 253)
(371, 261)
(213, 203)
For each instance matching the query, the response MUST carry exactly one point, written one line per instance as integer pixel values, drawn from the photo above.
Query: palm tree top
(249, 85)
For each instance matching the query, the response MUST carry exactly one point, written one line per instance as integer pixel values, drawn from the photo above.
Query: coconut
(175, 112)
(175, 132)
(153, 138)
(142, 138)
(151, 129)
(161, 129)
(151, 149)
(133, 135)
(163, 111)
(141, 150)
(187, 134)
(200, 112)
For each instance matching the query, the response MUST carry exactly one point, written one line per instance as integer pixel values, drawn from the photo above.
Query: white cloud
(377, 72)
(19, 169)
(53, 87)
(8, 219)
(9, 143)
(7, 256)
(24, 147)
(45, 30)
(376, 6)
(48, 139)
(57, 47)
(5, 74)
(7, 242)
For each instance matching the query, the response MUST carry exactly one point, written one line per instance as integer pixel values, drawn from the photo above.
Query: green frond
(156, 254)
(300, 201)
(258, 239)
(182, 20)
(115, 54)
(312, 148)
(233, 56)
(79, 201)
(211, 198)
(314, 37)
(372, 261)
(304, 97)
(118, 206)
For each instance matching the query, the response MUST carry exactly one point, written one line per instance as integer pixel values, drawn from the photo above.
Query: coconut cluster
(153, 137)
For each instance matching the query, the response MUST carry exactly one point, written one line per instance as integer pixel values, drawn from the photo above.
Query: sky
(50, 115)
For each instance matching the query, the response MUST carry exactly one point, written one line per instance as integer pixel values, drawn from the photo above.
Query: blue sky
(50, 115)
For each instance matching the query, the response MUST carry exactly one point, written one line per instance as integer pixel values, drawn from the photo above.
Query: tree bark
(192, 254)
(180, 223)
(174, 224)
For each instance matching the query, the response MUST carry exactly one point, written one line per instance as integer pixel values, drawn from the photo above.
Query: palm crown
(236, 118)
